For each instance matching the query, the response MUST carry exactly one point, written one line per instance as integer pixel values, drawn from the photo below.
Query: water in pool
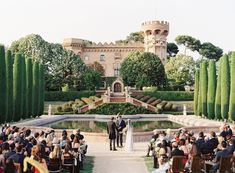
(100, 127)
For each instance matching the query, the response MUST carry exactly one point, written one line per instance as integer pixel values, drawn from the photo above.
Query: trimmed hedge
(121, 108)
(67, 96)
(171, 95)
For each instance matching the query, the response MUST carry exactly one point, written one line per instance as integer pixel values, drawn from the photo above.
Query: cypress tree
(29, 86)
(232, 91)
(199, 105)
(196, 92)
(211, 89)
(3, 93)
(225, 87)
(35, 88)
(17, 87)
(24, 93)
(9, 84)
(41, 85)
(218, 94)
(203, 88)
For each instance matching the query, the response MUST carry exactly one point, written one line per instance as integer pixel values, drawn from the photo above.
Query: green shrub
(156, 102)
(145, 98)
(119, 108)
(218, 94)
(138, 97)
(86, 100)
(151, 100)
(225, 86)
(168, 107)
(59, 108)
(68, 109)
(65, 88)
(196, 92)
(232, 91)
(67, 96)
(171, 95)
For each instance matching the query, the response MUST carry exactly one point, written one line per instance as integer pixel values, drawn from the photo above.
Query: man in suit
(120, 125)
(111, 130)
(175, 150)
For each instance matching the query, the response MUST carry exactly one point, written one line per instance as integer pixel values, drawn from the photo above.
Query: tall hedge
(211, 89)
(17, 87)
(29, 86)
(232, 90)
(35, 88)
(41, 89)
(9, 85)
(225, 86)
(3, 93)
(203, 87)
(218, 94)
(24, 88)
(196, 92)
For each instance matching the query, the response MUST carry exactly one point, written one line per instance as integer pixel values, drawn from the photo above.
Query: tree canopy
(172, 50)
(143, 69)
(180, 70)
(133, 37)
(210, 51)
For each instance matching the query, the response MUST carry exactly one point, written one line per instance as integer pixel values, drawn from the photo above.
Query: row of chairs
(199, 165)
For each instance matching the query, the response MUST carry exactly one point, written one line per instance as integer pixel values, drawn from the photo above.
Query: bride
(129, 137)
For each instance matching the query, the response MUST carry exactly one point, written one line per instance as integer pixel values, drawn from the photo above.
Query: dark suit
(121, 125)
(177, 152)
(111, 130)
(209, 146)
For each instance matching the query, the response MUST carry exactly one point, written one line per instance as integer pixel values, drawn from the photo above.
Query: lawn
(89, 164)
(149, 163)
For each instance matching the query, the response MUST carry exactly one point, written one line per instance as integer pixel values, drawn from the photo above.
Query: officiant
(120, 126)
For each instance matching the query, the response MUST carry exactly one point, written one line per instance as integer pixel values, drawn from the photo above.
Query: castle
(111, 55)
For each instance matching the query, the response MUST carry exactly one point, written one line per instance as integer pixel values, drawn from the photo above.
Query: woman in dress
(129, 137)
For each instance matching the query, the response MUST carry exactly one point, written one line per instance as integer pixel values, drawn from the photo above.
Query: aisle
(117, 161)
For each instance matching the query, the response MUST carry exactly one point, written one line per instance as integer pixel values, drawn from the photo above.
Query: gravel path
(117, 161)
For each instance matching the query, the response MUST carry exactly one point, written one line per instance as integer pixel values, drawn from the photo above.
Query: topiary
(59, 108)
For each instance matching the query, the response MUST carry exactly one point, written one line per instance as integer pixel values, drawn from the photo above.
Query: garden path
(117, 161)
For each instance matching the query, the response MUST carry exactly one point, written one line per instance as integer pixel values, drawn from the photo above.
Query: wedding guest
(175, 150)
(10, 167)
(111, 130)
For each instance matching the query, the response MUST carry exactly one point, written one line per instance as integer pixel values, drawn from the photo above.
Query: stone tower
(155, 38)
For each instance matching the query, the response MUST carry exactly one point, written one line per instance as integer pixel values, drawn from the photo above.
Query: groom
(120, 126)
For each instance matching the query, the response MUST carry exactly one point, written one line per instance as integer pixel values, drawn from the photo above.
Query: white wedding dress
(129, 137)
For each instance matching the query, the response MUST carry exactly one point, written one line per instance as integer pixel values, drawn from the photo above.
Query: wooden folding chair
(18, 167)
(198, 165)
(178, 164)
(225, 164)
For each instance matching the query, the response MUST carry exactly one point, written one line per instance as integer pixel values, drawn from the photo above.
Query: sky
(110, 20)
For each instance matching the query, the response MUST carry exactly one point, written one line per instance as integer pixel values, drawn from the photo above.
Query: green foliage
(203, 87)
(3, 91)
(232, 91)
(24, 89)
(143, 69)
(225, 86)
(96, 66)
(172, 50)
(121, 108)
(218, 94)
(181, 70)
(91, 79)
(133, 37)
(67, 96)
(210, 51)
(211, 89)
(41, 89)
(171, 95)
(35, 88)
(61, 66)
(29, 86)
(65, 88)
(189, 42)
(9, 85)
(196, 92)
(17, 87)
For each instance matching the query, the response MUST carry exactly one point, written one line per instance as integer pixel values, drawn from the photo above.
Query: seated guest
(231, 146)
(40, 158)
(10, 167)
(76, 143)
(55, 159)
(164, 153)
(224, 152)
(211, 144)
(11, 152)
(175, 150)
(200, 141)
(79, 135)
(183, 147)
(18, 157)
